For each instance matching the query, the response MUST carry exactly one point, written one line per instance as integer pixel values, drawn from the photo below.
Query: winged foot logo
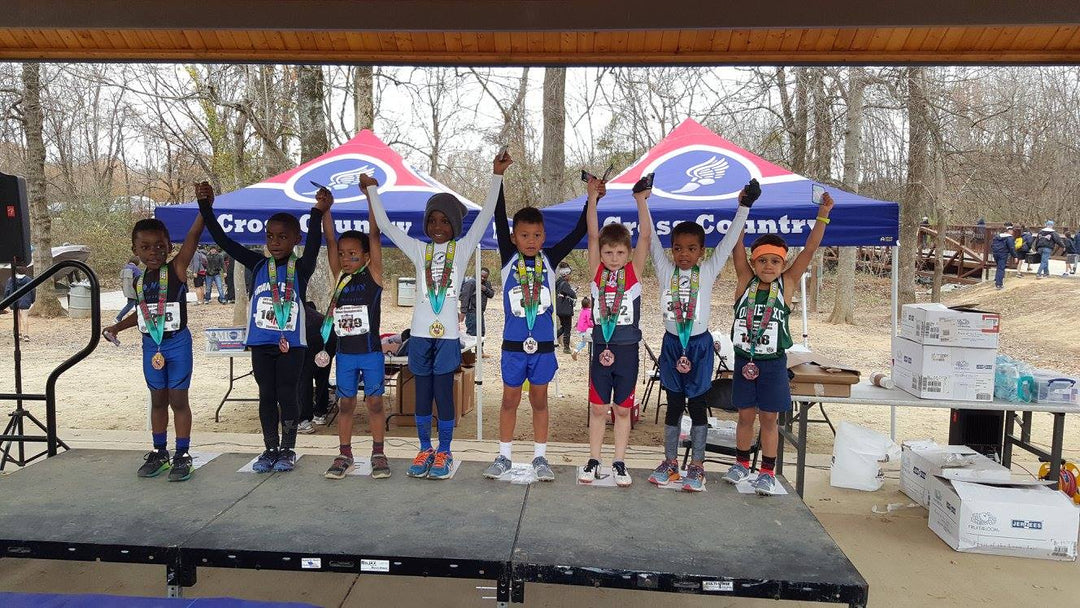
(341, 175)
(701, 174)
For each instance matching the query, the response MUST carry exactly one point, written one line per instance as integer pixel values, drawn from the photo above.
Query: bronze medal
(530, 345)
(158, 361)
(437, 329)
(607, 358)
(750, 371)
(322, 359)
(283, 344)
(683, 365)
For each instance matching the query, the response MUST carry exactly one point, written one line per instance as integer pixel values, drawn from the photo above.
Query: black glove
(750, 193)
(645, 183)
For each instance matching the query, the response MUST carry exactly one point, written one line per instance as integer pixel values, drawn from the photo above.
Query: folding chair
(652, 383)
(719, 396)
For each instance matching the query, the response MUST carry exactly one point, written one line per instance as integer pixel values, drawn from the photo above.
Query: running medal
(437, 293)
(322, 358)
(751, 371)
(609, 315)
(155, 323)
(684, 314)
(531, 283)
(607, 358)
(282, 306)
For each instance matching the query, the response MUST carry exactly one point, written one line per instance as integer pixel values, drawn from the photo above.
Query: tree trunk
(553, 163)
(820, 171)
(47, 305)
(911, 211)
(798, 143)
(844, 303)
(313, 142)
(939, 255)
(363, 98)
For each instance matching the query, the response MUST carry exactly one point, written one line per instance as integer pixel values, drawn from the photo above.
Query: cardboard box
(943, 372)
(817, 376)
(405, 395)
(922, 460)
(1019, 519)
(937, 324)
(467, 400)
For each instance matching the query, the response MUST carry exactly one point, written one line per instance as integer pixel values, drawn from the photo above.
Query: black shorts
(614, 383)
(200, 280)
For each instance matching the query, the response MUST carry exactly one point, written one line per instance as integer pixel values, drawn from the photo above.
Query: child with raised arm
(353, 315)
(686, 354)
(616, 296)
(761, 336)
(276, 332)
(434, 345)
(528, 348)
(161, 316)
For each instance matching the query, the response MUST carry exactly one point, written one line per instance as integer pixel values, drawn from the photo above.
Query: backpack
(127, 282)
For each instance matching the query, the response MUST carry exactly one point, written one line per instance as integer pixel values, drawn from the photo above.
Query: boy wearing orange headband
(761, 337)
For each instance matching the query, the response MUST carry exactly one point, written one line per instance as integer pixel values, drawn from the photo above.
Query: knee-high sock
(424, 397)
(443, 386)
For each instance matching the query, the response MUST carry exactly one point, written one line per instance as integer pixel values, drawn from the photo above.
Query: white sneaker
(319, 420)
(622, 476)
(305, 427)
(590, 472)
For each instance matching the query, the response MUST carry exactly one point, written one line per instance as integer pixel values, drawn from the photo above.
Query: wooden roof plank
(635, 41)
(739, 41)
(519, 43)
(844, 38)
(916, 39)
(653, 41)
(897, 38)
(687, 38)
(619, 41)
(669, 41)
(535, 41)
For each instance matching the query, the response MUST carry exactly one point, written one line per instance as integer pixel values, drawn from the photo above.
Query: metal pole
(805, 321)
(479, 381)
(895, 313)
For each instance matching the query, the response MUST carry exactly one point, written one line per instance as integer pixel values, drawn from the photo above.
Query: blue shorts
(699, 350)
(178, 363)
(431, 356)
(369, 366)
(771, 392)
(537, 368)
(614, 383)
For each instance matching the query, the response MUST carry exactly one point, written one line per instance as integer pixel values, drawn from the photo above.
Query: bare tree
(844, 303)
(553, 163)
(918, 174)
(363, 98)
(313, 143)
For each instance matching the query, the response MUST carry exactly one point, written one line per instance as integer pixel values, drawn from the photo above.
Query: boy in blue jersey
(434, 345)
(353, 315)
(528, 346)
(161, 316)
(276, 334)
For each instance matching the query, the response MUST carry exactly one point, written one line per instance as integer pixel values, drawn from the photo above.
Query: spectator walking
(468, 301)
(197, 269)
(565, 299)
(128, 275)
(215, 267)
(1045, 242)
(1003, 247)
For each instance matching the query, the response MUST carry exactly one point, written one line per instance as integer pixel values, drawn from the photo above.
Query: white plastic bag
(857, 454)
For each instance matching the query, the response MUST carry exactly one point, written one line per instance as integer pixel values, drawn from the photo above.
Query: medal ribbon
(155, 323)
(530, 287)
(328, 320)
(766, 316)
(609, 316)
(282, 309)
(684, 313)
(437, 296)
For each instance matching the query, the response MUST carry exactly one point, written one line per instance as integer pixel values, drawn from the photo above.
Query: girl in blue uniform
(276, 333)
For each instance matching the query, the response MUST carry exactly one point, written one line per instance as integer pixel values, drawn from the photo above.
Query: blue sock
(446, 434)
(423, 431)
(182, 444)
(161, 440)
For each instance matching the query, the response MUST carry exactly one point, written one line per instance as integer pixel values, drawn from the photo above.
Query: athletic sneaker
(765, 484)
(736, 473)
(442, 466)
(319, 420)
(622, 478)
(181, 467)
(265, 462)
(665, 473)
(157, 461)
(543, 469)
(286, 461)
(695, 478)
(590, 472)
(421, 465)
(339, 468)
(501, 465)
(380, 466)
(305, 427)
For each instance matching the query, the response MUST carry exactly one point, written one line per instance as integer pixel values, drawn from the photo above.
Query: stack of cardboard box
(946, 353)
(404, 400)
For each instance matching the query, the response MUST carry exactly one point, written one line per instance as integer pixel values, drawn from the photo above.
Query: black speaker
(980, 430)
(14, 220)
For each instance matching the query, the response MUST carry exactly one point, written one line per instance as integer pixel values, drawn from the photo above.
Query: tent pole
(805, 319)
(895, 302)
(478, 385)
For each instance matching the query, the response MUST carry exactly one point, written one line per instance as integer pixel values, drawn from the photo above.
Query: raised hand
(750, 193)
(323, 199)
(204, 192)
(501, 163)
(366, 181)
(827, 203)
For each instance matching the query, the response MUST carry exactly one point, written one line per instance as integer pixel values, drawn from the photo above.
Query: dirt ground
(107, 391)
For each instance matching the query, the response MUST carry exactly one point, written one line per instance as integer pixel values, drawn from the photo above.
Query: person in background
(215, 267)
(1003, 247)
(584, 326)
(468, 301)
(313, 388)
(230, 290)
(22, 305)
(1024, 242)
(1045, 242)
(1076, 248)
(128, 274)
(1070, 253)
(197, 269)
(564, 306)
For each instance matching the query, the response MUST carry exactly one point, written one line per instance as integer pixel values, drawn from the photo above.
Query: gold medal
(437, 329)
(158, 361)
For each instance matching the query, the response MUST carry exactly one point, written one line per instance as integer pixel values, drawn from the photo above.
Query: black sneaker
(181, 467)
(157, 461)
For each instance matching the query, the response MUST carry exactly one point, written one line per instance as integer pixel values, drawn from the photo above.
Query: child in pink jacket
(584, 325)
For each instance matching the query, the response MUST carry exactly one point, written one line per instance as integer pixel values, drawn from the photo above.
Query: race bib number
(172, 317)
(351, 320)
(626, 311)
(265, 318)
(766, 344)
(518, 309)
(668, 306)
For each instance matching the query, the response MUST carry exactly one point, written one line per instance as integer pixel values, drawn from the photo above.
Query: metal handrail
(95, 336)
